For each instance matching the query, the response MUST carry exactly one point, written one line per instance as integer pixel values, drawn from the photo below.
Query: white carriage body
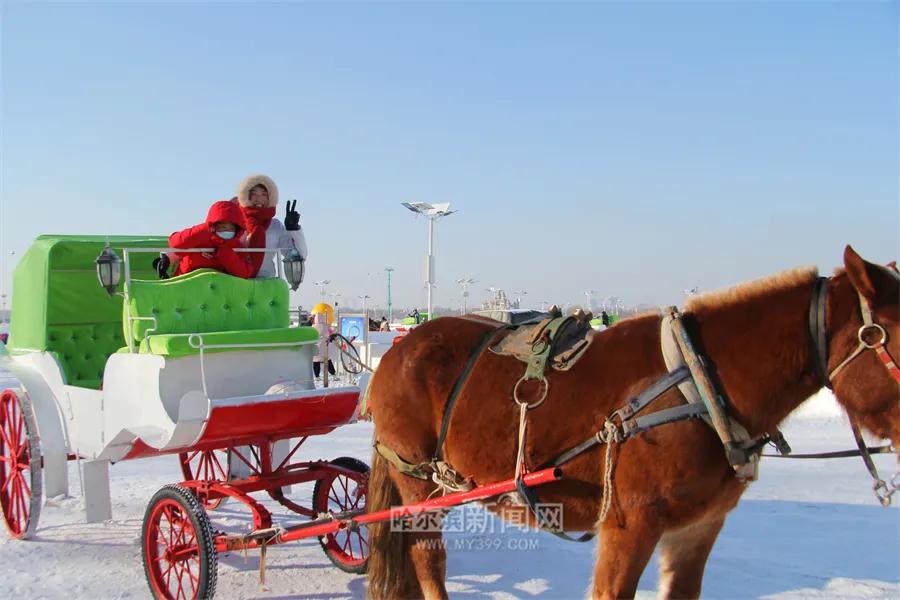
(157, 403)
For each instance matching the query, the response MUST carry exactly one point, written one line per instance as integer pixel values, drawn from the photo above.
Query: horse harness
(687, 371)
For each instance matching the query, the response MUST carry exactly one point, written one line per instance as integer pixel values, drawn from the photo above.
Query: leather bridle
(872, 336)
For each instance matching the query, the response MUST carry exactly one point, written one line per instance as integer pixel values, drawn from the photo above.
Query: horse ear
(860, 272)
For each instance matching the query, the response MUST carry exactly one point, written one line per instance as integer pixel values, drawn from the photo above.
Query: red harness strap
(888, 361)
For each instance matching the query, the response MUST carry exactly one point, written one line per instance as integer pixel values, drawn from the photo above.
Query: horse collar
(817, 329)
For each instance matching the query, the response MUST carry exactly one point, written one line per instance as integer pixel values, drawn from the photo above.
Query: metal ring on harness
(883, 492)
(546, 388)
(876, 327)
(542, 342)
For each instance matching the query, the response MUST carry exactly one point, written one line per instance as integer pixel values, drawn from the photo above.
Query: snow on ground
(806, 529)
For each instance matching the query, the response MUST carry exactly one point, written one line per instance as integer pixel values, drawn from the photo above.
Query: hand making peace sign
(291, 216)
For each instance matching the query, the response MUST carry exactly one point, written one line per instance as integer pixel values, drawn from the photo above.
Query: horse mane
(752, 290)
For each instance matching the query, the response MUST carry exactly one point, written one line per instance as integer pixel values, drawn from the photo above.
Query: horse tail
(390, 567)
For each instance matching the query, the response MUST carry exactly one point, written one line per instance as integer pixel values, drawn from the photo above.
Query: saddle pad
(568, 339)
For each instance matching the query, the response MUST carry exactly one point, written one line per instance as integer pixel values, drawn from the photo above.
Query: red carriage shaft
(327, 526)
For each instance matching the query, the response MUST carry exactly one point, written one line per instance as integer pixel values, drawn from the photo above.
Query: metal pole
(325, 359)
(344, 521)
(430, 264)
(3, 286)
(390, 314)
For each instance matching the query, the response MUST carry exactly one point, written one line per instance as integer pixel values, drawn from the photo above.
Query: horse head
(864, 328)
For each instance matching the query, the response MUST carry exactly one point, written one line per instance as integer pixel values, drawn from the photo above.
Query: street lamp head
(432, 211)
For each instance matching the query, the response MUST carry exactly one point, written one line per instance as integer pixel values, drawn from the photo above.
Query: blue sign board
(353, 327)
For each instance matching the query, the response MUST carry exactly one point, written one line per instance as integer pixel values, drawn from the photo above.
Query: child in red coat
(221, 232)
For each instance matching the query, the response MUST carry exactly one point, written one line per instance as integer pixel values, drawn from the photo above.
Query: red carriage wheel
(20, 465)
(347, 549)
(178, 549)
(205, 465)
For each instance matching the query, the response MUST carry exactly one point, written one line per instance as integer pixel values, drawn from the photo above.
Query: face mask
(225, 235)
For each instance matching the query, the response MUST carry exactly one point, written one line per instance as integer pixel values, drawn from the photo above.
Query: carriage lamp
(294, 268)
(108, 271)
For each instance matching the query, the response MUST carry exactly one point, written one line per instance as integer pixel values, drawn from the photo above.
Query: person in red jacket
(221, 232)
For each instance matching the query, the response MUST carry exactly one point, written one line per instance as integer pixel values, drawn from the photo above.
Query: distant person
(257, 197)
(221, 232)
(320, 322)
(604, 318)
(415, 315)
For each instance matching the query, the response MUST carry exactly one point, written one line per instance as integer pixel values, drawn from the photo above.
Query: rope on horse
(612, 436)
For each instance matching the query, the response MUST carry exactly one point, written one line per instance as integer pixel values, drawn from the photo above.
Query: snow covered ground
(806, 529)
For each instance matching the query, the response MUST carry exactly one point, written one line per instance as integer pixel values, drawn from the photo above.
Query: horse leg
(682, 558)
(623, 553)
(429, 557)
(404, 563)
(426, 543)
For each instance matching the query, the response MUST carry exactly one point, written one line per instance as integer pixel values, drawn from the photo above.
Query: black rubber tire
(320, 505)
(208, 558)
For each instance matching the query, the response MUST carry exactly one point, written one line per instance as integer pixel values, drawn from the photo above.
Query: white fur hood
(243, 194)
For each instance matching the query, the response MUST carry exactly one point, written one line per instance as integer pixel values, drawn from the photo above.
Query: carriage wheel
(205, 465)
(179, 552)
(20, 465)
(347, 549)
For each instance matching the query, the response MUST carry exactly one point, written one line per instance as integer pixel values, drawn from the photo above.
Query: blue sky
(632, 149)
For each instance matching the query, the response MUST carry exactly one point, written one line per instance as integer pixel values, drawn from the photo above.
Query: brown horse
(672, 485)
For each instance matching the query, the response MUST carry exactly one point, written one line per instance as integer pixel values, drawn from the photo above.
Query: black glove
(161, 264)
(291, 217)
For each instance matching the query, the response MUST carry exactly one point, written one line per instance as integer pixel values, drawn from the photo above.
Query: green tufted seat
(82, 350)
(213, 307)
(60, 308)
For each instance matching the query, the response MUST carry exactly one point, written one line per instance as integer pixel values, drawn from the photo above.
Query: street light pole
(432, 212)
(429, 273)
(321, 284)
(390, 314)
(3, 286)
(465, 282)
(519, 295)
